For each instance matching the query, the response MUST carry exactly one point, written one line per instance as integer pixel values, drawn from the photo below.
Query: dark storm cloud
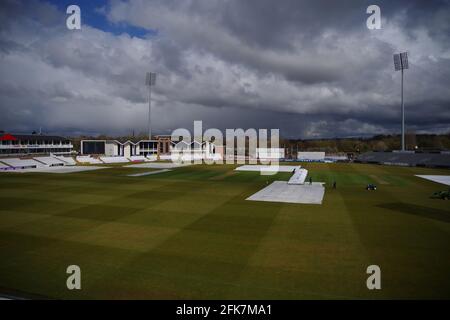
(310, 68)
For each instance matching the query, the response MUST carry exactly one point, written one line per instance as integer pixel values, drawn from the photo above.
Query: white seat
(165, 157)
(69, 161)
(138, 158)
(88, 159)
(4, 166)
(114, 159)
(50, 161)
(22, 163)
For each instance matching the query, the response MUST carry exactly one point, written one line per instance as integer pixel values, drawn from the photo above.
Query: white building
(311, 156)
(117, 148)
(24, 144)
(195, 150)
(162, 147)
(270, 153)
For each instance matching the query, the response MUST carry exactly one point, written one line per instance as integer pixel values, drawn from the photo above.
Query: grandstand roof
(35, 137)
(120, 141)
(7, 137)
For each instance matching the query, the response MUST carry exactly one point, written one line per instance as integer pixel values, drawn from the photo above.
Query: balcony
(148, 149)
(35, 146)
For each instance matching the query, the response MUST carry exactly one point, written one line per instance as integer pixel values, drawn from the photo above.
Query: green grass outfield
(190, 234)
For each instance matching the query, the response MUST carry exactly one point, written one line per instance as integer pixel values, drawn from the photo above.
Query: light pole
(401, 63)
(150, 81)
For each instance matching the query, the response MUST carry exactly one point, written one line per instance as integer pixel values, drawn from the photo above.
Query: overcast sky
(310, 68)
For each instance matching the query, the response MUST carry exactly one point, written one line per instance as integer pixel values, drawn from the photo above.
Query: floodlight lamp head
(401, 61)
(397, 63)
(404, 60)
(150, 79)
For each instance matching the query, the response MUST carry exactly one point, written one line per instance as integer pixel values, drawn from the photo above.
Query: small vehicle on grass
(444, 195)
(371, 187)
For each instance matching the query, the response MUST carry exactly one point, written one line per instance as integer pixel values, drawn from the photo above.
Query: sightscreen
(93, 147)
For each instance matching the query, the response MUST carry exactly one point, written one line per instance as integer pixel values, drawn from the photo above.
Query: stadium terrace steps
(114, 159)
(69, 161)
(36, 162)
(88, 159)
(138, 159)
(406, 159)
(4, 166)
(22, 163)
(49, 161)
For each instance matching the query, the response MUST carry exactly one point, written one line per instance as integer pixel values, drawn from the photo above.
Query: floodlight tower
(401, 63)
(150, 81)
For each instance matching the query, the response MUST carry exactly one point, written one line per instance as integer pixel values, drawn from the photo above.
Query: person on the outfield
(334, 184)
